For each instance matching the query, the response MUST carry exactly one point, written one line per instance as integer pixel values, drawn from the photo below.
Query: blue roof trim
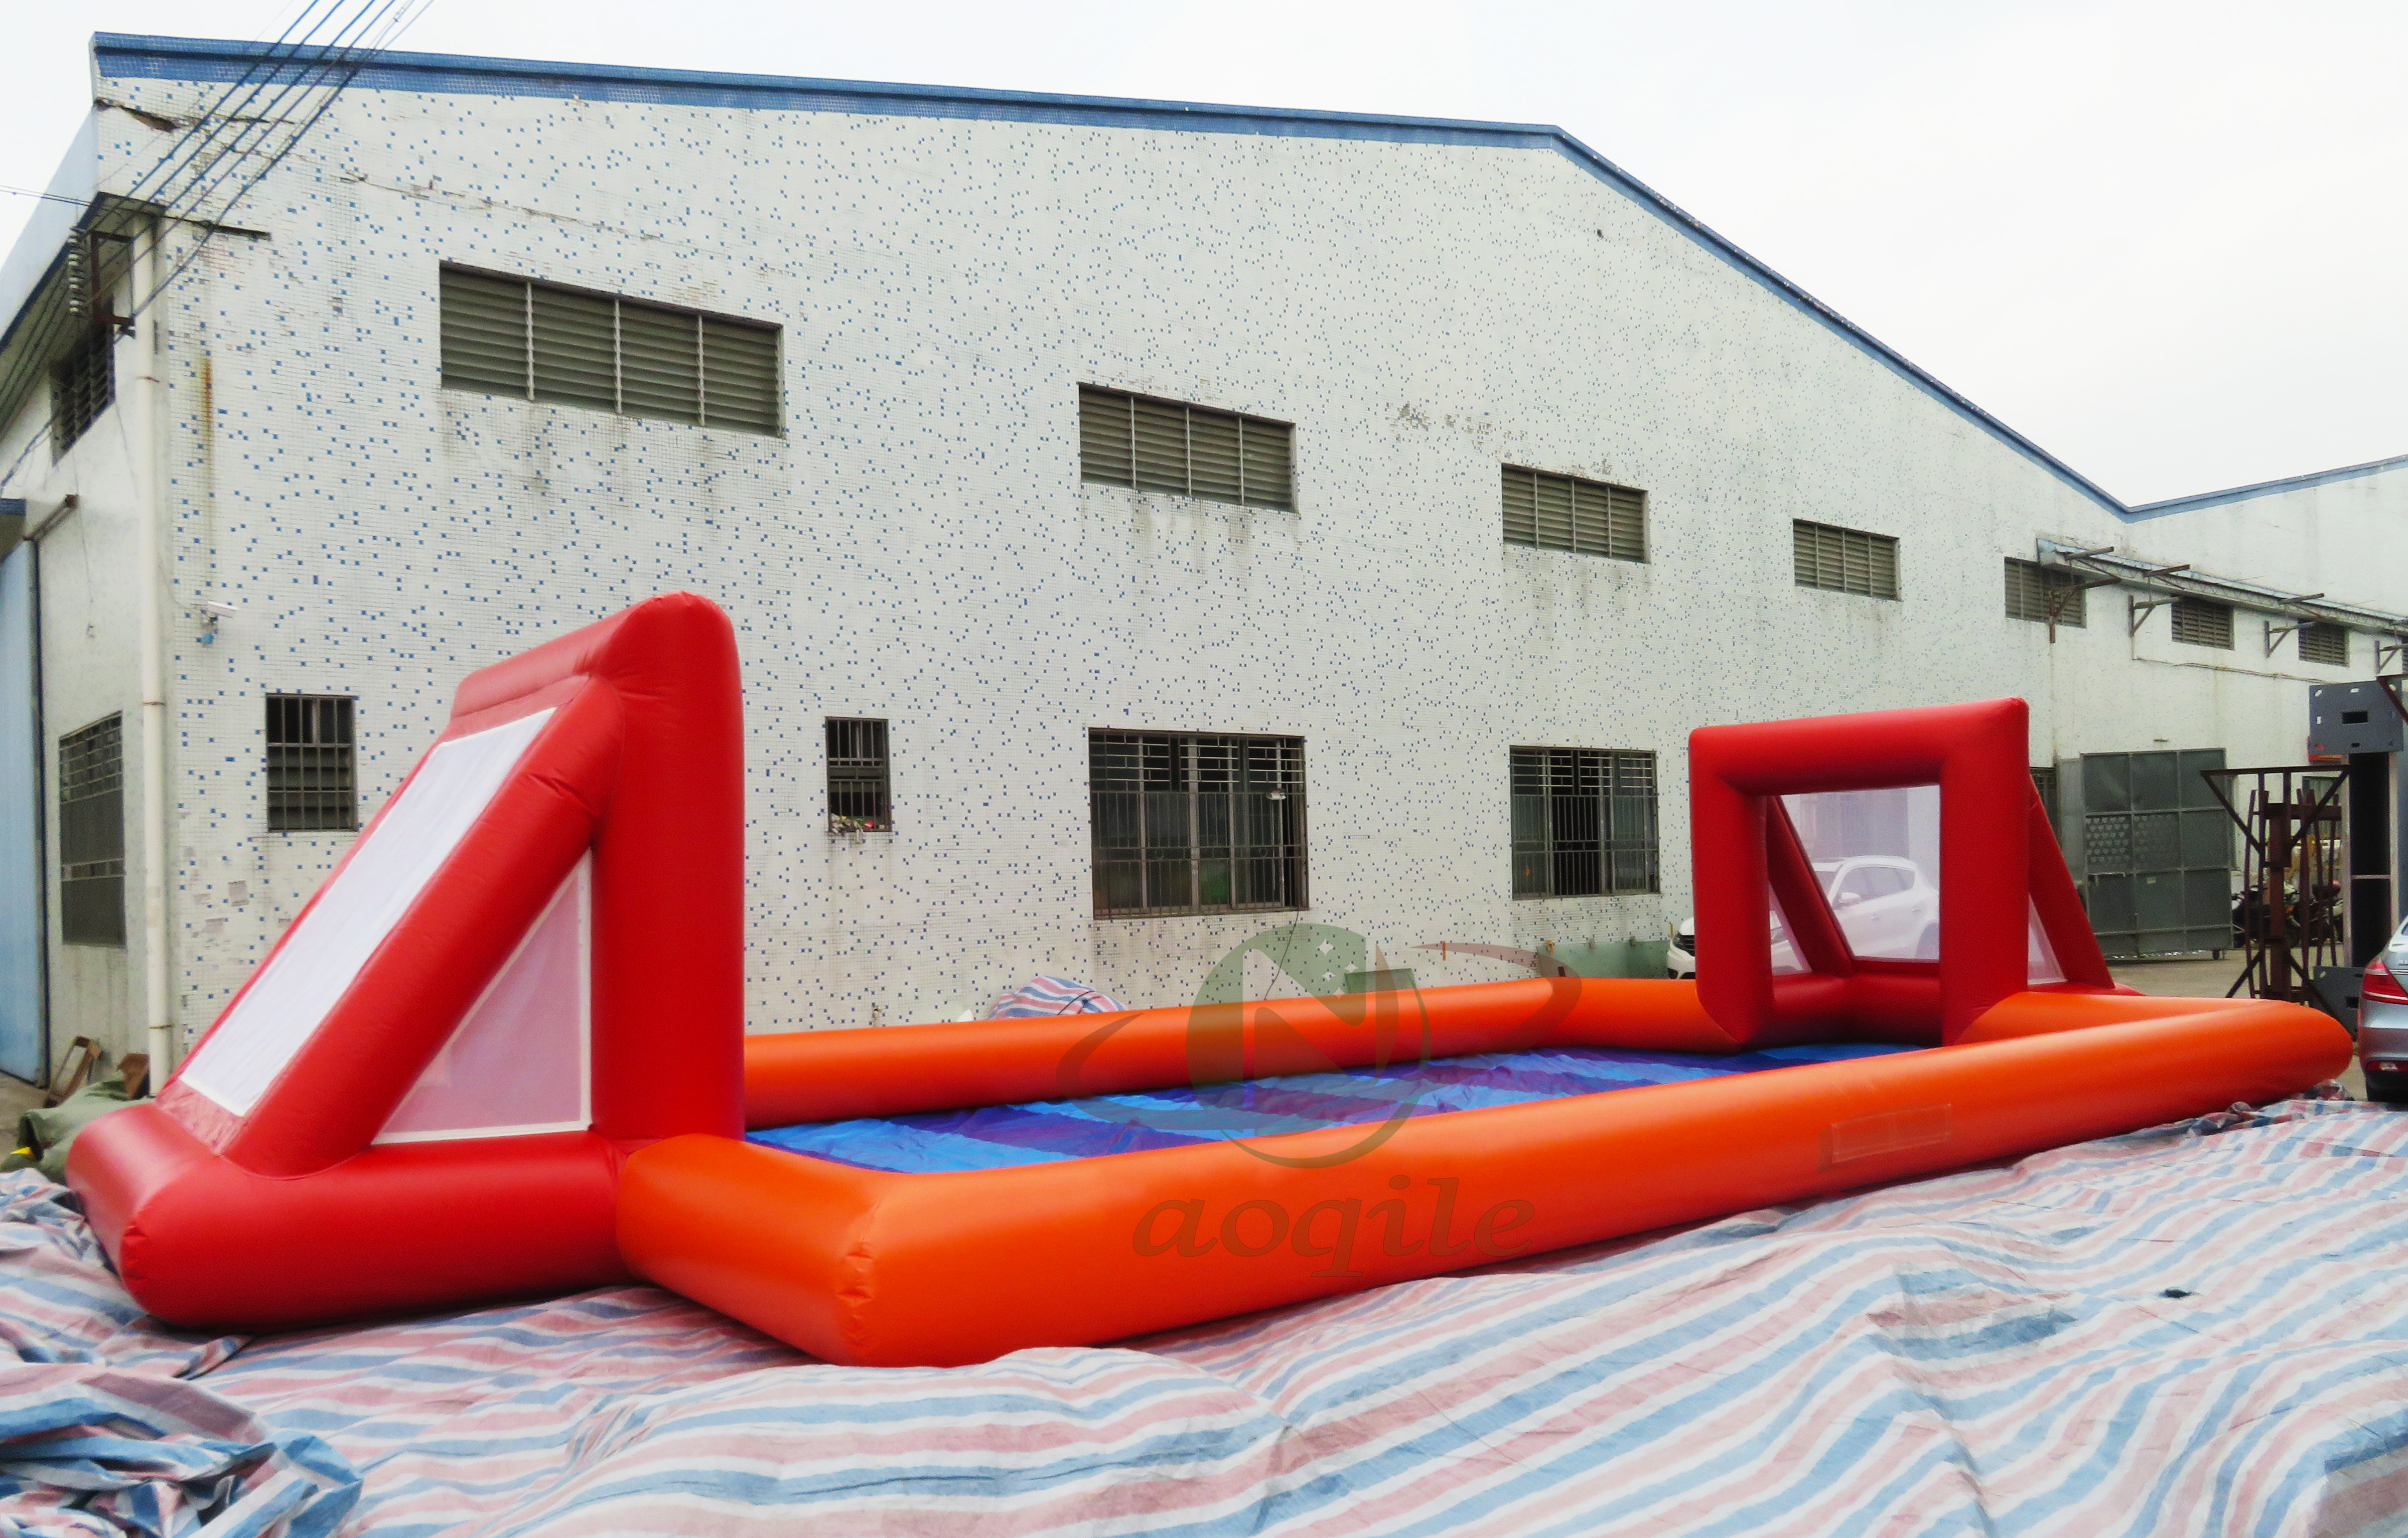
(126, 56)
(2267, 488)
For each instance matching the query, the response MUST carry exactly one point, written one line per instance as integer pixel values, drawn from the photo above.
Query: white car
(2383, 1022)
(1885, 904)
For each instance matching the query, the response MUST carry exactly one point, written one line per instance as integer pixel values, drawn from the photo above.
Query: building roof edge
(2267, 488)
(123, 55)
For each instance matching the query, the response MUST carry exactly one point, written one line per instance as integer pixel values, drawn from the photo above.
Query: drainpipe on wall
(152, 643)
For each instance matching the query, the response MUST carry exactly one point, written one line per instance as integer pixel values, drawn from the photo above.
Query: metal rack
(2293, 875)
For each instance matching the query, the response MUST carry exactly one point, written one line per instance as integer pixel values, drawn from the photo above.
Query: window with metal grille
(2045, 781)
(2032, 587)
(82, 384)
(2322, 641)
(2199, 623)
(544, 342)
(856, 769)
(312, 764)
(1565, 513)
(1188, 823)
(92, 835)
(1584, 823)
(1153, 445)
(1845, 559)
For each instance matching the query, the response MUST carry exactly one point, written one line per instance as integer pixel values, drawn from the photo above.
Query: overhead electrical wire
(368, 28)
(402, 13)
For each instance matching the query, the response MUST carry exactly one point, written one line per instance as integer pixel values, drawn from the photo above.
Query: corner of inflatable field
(529, 965)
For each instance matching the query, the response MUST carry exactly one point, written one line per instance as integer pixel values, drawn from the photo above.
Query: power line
(197, 133)
(203, 127)
(54, 197)
(350, 40)
(402, 17)
(372, 28)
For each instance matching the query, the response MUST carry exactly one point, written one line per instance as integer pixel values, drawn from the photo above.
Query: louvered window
(543, 342)
(311, 769)
(1565, 513)
(1584, 823)
(82, 384)
(1183, 823)
(2200, 623)
(92, 835)
(858, 802)
(1845, 560)
(1153, 445)
(2322, 641)
(2032, 587)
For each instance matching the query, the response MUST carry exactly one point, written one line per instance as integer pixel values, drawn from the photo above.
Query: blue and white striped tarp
(2197, 1329)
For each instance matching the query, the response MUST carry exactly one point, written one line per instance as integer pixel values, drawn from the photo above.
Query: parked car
(2383, 1022)
(1885, 904)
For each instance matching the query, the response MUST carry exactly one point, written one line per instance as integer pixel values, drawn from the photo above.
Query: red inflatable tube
(199, 1240)
(870, 1267)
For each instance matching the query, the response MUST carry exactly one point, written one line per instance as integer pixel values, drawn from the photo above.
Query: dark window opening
(312, 764)
(92, 835)
(858, 801)
(1565, 513)
(545, 342)
(2322, 641)
(1151, 445)
(1845, 559)
(1584, 823)
(1187, 824)
(2200, 623)
(82, 384)
(2032, 587)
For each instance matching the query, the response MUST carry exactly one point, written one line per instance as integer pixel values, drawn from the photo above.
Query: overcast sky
(2162, 238)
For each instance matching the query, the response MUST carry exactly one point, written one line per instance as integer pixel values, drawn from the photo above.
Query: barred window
(1845, 559)
(858, 802)
(2200, 623)
(2322, 641)
(2032, 587)
(92, 835)
(544, 342)
(82, 384)
(312, 764)
(1187, 823)
(1153, 445)
(1584, 823)
(1565, 513)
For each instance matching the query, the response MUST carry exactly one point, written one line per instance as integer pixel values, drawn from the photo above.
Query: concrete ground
(2199, 978)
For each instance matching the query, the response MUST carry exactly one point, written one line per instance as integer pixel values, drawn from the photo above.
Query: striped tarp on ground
(2198, 1329)
(1044, 995)
(991, 1137)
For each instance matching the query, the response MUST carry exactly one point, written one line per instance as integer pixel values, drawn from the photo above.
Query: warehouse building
(1144, 524)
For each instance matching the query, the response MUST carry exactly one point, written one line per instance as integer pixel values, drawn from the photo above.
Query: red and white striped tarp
(2197, 1329)
(1044, 995)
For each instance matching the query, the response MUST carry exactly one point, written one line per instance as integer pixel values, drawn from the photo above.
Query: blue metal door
(24, 1044)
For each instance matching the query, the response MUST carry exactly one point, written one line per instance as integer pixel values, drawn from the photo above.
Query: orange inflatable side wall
(894, 1070)
(864, 1266)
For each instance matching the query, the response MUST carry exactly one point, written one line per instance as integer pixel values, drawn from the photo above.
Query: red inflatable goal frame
(234, 1201)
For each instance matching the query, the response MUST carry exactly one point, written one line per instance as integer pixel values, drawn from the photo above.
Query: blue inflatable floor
(997, 1136)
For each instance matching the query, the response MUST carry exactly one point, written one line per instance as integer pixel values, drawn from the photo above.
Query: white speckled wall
(919, 545)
